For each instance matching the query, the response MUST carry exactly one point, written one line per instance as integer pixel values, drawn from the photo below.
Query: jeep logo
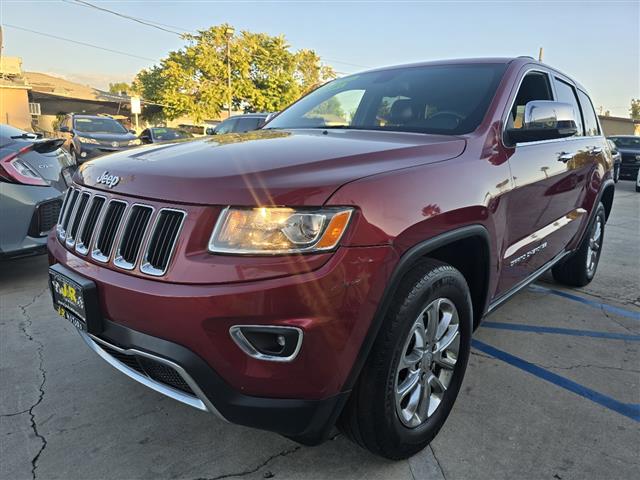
(108, 180)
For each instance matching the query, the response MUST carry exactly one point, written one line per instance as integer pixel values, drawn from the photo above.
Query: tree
(120, 87)
(265, 74)
(634, 111)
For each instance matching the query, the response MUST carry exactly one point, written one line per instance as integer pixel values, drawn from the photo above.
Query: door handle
(595, 151)
(564, 157)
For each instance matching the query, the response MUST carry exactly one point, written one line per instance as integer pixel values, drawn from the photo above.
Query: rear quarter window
(590, 120)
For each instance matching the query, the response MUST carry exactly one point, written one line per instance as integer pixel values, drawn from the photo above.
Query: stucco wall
(14, 108)
(618, 126)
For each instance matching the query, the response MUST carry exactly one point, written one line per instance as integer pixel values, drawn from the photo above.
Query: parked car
(163, 134)
(34, 174)
(240, 124)
(332, 266)
(617, 159)
(90, 136)
(629, 148)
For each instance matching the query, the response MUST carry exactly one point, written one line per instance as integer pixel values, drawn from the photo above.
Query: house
(14, 94)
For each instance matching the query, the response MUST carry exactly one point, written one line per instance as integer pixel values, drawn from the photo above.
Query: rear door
(546, 207)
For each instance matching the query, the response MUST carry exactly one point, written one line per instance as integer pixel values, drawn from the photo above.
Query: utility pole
(540, 54)
(229, 34)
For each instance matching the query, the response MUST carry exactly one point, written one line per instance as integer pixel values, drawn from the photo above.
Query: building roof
(48, 84)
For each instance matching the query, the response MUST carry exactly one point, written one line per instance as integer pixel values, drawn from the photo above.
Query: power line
(160, 26)
(80, 43)
(141, 21)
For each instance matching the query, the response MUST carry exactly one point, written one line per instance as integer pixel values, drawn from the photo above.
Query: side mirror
(133, 131)
(64, 129)
(145, 139)
(544, 120)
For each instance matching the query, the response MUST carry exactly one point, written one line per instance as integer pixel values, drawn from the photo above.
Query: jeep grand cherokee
(331, 267)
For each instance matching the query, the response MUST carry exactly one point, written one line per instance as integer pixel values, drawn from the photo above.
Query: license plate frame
(75, 298)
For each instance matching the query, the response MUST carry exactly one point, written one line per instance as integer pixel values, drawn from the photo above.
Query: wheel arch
(444, 247)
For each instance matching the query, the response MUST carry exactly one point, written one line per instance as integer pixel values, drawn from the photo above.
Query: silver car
(34, 174)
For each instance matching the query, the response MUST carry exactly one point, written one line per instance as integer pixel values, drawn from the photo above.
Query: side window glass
(247, 124)
(590, 120)
(567, 94)
(534, 86)
(226, 126)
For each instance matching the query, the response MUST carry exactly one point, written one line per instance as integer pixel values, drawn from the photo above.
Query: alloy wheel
(427, 363)
(595, 244)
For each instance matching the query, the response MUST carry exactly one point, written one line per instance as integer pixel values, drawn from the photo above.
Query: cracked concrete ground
(64, 413)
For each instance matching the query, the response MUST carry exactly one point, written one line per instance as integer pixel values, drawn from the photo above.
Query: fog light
(265, 342)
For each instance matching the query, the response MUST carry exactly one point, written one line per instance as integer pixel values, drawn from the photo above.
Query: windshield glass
(627, 142)
(442, 99)
(163, 134)
(98, 125)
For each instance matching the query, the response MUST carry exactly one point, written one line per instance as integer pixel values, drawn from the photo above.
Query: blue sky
(598, 43)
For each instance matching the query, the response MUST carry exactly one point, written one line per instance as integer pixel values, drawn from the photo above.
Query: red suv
(331, 267)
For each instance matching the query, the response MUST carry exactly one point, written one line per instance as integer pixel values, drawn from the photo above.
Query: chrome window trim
(69, 240)
(118, 260)
(80, 247)
(245, 345)
(145, 266)
(200, 401)
(97, 254)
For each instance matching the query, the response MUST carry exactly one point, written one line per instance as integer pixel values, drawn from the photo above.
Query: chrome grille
(133, 235)
(86, 232)
(76, 218)
(131, 242)
(70, 204)
(108, 230)
(162, 243)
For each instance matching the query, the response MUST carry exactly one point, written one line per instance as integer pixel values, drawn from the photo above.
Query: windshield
(163, 134)
(627, 142)
(98, 125)
(442, 99)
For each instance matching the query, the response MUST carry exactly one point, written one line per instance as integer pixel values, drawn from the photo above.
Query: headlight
(88, 140)
(277, 230)
(135, 141)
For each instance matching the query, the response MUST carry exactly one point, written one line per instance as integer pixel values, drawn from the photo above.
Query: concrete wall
(14, 107)
(619, 126)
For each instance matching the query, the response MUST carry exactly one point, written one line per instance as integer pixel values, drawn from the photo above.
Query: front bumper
(88, 151)
(188, 325)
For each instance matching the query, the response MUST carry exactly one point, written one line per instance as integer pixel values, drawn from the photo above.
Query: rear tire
(580, 268)
(412, 377)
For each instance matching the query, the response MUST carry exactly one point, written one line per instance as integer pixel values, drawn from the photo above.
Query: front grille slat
(129, 236)
(162, 242)
(132, 236)
(67, 214)
(107, 235)
(86, 233)
(77, 218)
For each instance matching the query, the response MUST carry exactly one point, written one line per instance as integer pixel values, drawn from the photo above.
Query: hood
(265, 167)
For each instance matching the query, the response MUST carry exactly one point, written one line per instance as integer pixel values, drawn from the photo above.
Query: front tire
(414, 371)
(580, 268)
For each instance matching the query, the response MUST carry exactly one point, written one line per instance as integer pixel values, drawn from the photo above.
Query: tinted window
(627, 142)
(247, 124)
(567, 94)
(446, 99)
(98, 125)
(226, 126)
(534, 86)
(164, 134)
(589, 115)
